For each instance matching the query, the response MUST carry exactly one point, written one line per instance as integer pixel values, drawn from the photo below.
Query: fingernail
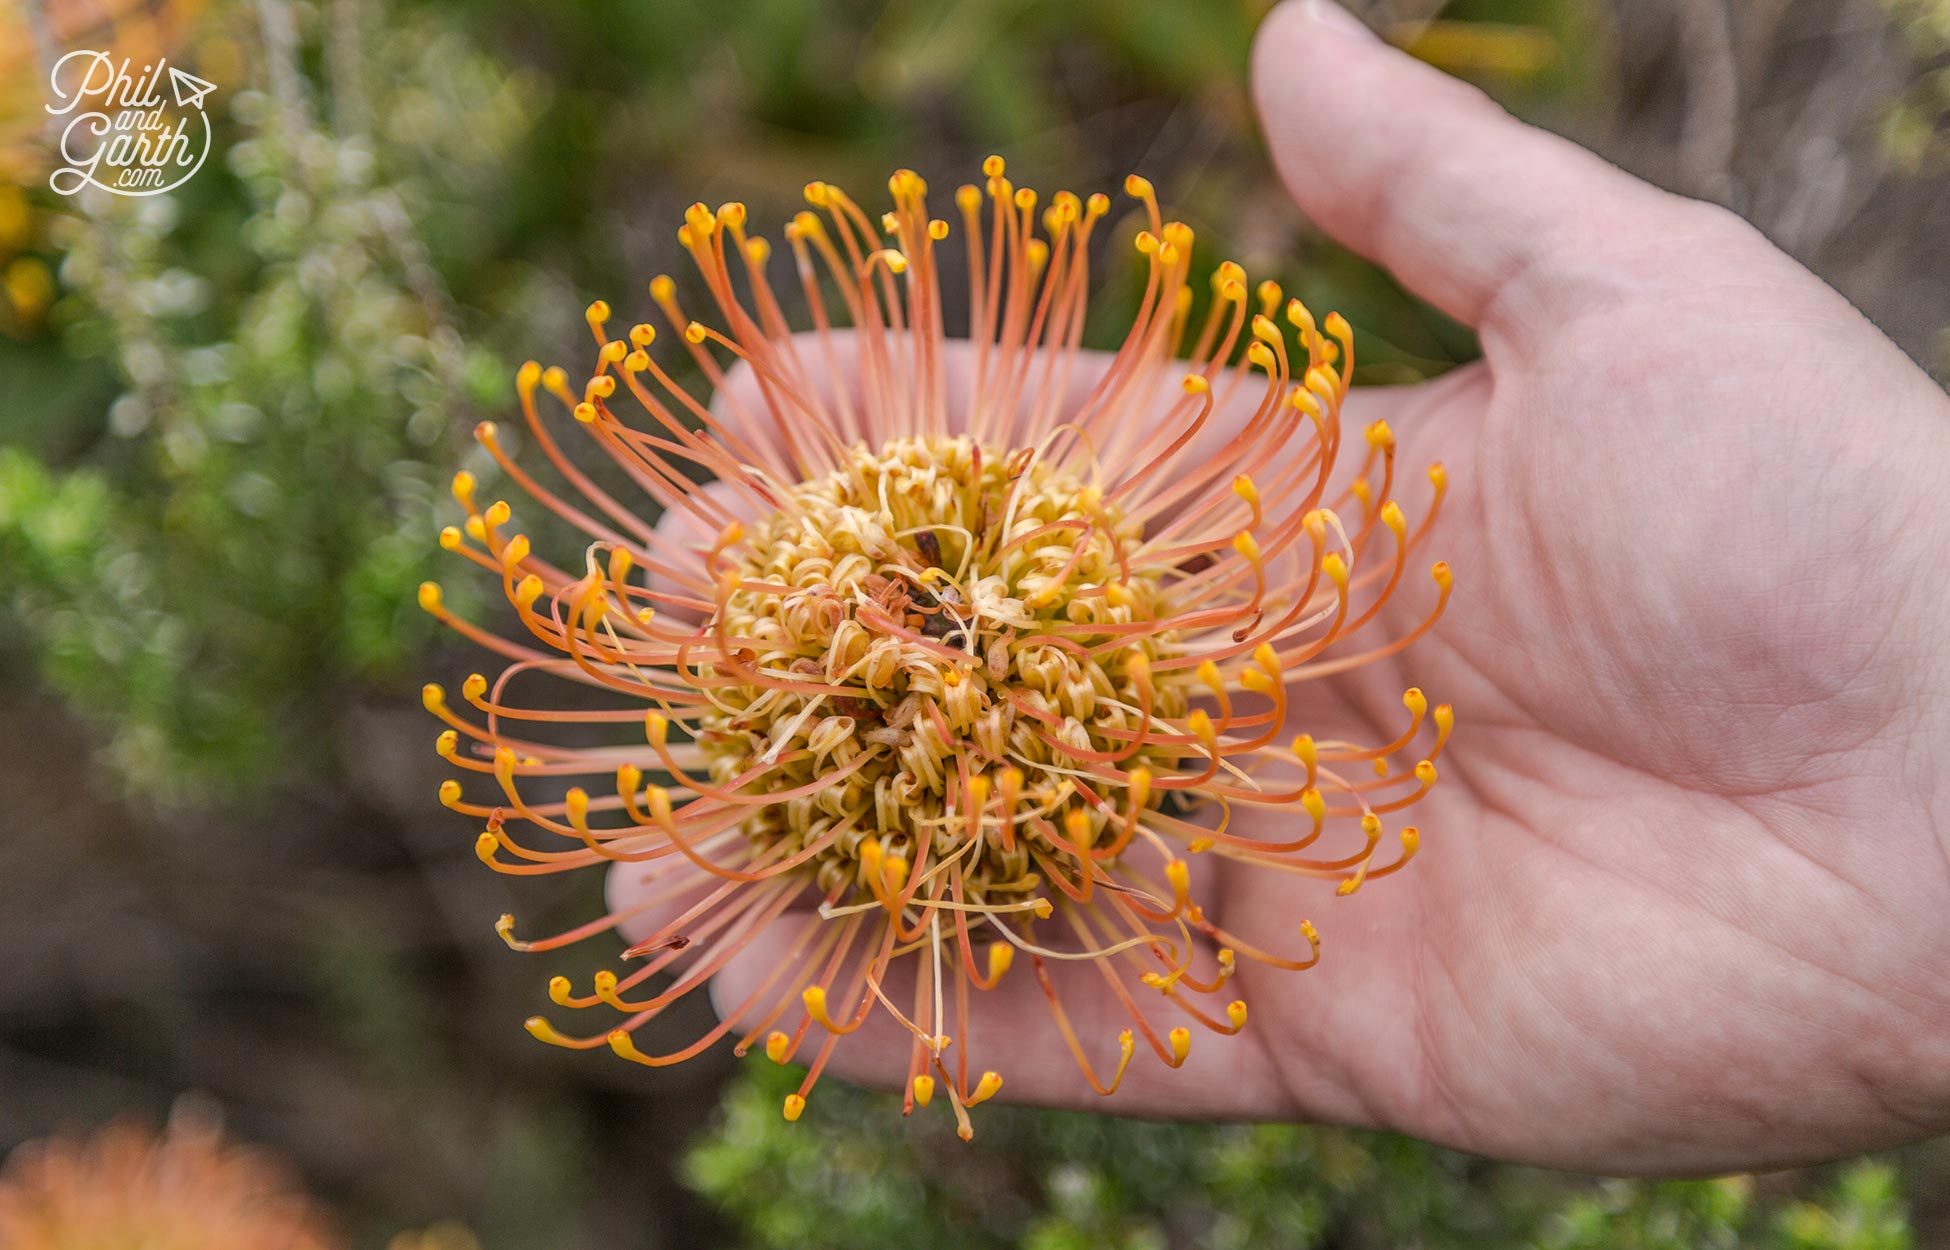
(1330, 16)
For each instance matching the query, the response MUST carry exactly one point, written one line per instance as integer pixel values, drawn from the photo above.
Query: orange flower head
(971, 650)
(185, 1190)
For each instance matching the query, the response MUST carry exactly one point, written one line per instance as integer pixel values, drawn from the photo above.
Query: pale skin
(1683, 898)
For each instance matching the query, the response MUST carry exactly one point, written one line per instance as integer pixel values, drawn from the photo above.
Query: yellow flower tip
(515, 552)
(1268, 293)
(542, 1031)
(497, 513)
(1236, 1012)
(656, 727)
(430, 596)
(1145, 242)
(473, 687)
(778, 1047)
(475, 530)
(504, 925)
(1380, 435)
(923, 1090)
(1244, 487)
(597, 312)
(896, 261)
(486, 844)
(1180, 1040)
(1415, 701)
(1411, 839)
(993, 166)
(1347, 886)
(937, 230)
(662, 289)
(1246, 545)
(1308, 931)
(529, 376)
(1195, 384)
(527, 590)
(463, 485)
(1126, 1042)
(795, 1106)
(817, 194)
(814, 999)
(1443, 577)
(1438, 476)
(1043, 908)
(1198, 846)
(450, 795)
(1228, 961)
(1391, 516)
(1201, 726)
(1001, 955)
(732, 214)
(1180, 877)
(559, 992)
(577, 803)
(968, 198)
(1262, 355)
(1425, 773)
(700, 221)
(433, 696)
(447, 744)
(450, 538)
(695, 332)
(1381, 768)
(619, 1042)
(1140, 788)
(585, 412)
(1337, 325)
(986, 1088)
(1445, 717)
(1335, 567)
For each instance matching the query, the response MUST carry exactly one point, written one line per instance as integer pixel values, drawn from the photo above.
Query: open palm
(1684, 895)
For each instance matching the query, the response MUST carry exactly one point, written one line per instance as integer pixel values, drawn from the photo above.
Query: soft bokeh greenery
(852, 1173)
(231, 413)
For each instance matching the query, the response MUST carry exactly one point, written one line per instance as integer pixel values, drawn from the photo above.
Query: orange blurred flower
(126, 1187)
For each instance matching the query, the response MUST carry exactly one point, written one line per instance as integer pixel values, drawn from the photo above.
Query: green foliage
(1913, 129)
(852, 1172)
(249, 532)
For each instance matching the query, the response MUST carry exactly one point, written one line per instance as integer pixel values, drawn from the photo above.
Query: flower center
(938, 620)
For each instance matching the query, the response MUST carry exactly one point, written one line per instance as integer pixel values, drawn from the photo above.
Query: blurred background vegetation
(226, 417)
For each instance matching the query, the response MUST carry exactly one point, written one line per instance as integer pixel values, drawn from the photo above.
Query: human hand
(1684, 896)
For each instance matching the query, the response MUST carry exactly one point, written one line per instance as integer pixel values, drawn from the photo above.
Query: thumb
(1489, 219)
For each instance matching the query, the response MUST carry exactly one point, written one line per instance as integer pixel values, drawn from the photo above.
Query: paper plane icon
(189, 89)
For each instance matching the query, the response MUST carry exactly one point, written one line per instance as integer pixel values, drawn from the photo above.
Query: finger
(1487, 218)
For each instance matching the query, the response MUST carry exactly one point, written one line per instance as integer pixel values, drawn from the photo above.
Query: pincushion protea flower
(126, 1187)
(980, 668)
